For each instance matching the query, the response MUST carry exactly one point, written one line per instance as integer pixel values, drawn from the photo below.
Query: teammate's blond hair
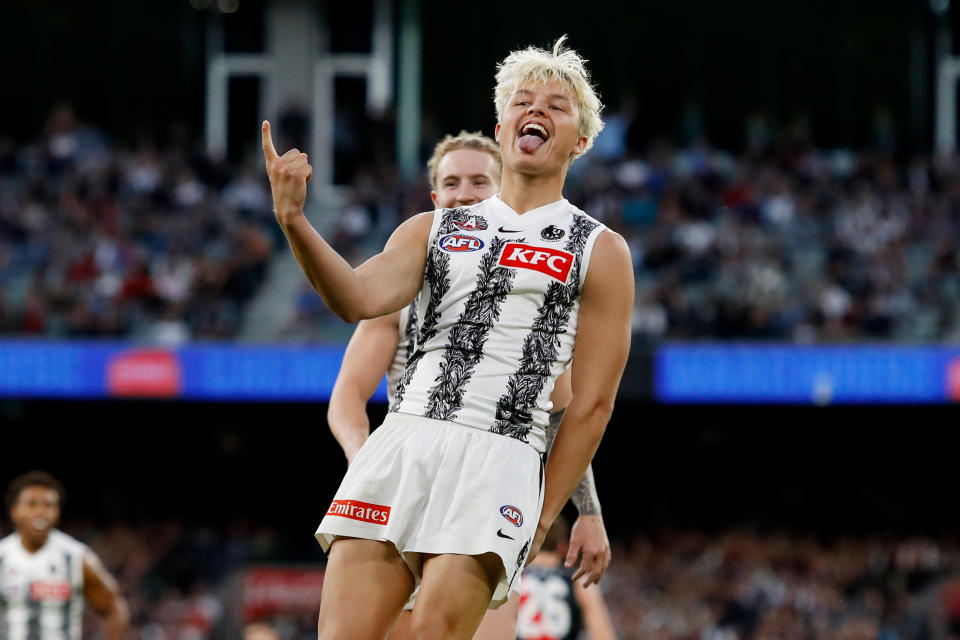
(540, 66)
(463, 140)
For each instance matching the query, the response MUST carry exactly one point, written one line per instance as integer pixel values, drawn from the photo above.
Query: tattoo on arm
(584, 495)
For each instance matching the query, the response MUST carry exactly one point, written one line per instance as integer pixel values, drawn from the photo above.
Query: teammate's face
(540, 129)
(35, 513)
(465, 177)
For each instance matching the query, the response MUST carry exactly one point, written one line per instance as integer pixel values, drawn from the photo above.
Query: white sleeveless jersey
(498, 316)
(41, 594)
(406, 342)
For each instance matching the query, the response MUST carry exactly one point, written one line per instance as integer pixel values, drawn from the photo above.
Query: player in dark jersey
(552, 605)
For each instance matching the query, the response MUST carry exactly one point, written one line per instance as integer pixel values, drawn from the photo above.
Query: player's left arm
(596, 616)
(602, 347)
(588, 534)
(101, 592)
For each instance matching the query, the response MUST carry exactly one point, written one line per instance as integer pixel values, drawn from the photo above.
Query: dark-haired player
(46, 575)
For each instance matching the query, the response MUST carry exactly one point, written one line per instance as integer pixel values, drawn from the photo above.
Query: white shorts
(430, 486)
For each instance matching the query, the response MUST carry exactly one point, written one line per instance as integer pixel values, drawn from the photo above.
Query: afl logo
(512, 514)
(458, 242)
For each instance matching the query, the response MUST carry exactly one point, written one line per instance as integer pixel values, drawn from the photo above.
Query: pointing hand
(289, 175)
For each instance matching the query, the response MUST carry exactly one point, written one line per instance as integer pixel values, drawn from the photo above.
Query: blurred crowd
(738, 584)
(798, 245)
(105, 241)
(782, 241)
(184, 583)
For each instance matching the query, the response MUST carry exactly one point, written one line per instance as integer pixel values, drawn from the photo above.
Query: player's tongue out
(530, 142)
(532, 135)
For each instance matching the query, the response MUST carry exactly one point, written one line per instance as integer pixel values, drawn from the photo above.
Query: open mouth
(40, 524)
(532, 135)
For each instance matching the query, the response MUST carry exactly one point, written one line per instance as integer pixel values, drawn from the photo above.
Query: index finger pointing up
(268, 151)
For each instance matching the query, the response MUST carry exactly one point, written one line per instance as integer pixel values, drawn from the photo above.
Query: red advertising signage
(269, 591)
(144, 373)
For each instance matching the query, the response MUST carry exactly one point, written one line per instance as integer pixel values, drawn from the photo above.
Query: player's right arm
(596, 616)
(101, 592)
(588, 534)
(368, 356)
(383, 284)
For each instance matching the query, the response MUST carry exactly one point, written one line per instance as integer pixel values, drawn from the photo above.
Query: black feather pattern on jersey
(410, 331)
(467, 337)
(514, 409)
(437, 276)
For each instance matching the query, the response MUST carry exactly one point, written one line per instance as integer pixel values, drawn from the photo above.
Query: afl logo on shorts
(512, 514)
(459, 242)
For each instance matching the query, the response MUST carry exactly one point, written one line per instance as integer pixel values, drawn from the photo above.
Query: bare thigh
(497, 624)
(500, 623)
(401, 628)
(455, 591)
(365, 586)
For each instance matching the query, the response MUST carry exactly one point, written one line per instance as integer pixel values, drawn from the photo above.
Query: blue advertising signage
(97, 370)
(760, 374)
(682, 373)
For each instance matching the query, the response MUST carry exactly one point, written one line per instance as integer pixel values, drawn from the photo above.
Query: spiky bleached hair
(535, 65)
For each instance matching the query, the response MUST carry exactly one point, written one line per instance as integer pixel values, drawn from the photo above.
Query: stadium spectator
(783, 242)
(98, 240)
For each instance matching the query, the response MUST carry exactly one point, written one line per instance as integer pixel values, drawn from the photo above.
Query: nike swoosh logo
(502, 230)
(501, 534)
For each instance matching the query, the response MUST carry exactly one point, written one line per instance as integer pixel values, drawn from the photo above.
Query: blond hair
(463, 140)
(535, 65)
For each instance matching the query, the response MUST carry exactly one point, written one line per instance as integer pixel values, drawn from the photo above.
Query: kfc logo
(512, 514)
(458, 242)
(363, 511)
(552, 262)
(54, 591)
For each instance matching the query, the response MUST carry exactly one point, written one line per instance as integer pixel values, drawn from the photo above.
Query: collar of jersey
(547, 208)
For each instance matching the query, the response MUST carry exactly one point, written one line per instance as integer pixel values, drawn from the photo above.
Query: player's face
(465, 177)
(540, 129)
(36, 512)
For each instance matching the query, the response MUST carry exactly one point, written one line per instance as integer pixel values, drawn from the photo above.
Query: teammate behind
(46, 575)
(552, 605)
(464, 170)
(437, 497)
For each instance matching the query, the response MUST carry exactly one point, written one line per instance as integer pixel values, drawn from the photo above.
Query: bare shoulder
(420, 222)
(610, 259)
(611, 241)
(92, 563)
(412, 232)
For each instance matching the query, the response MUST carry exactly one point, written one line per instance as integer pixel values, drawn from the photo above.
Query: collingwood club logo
(552, 233)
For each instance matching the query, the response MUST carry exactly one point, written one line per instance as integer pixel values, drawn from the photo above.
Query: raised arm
(602, 346)
(383, 284)
(367, 358)
(102, 594)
